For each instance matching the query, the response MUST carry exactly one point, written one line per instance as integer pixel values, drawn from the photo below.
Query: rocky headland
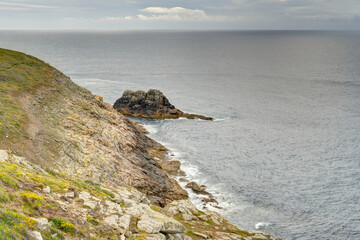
(152, 105)
(73, 167)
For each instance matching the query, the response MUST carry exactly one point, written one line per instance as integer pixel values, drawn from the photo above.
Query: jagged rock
(84, 195)
(171, 167)
(34, 235)
(112, 221)
(138, 209)
(177, 236)
(124, 222)
(180, 206)
(152, 104)
(154, 222)
(197, 189)
(112, 208)
(4, 156)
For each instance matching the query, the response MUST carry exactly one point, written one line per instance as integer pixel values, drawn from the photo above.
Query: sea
(283, 153)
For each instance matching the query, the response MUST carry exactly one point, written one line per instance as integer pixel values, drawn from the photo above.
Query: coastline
(65, 133)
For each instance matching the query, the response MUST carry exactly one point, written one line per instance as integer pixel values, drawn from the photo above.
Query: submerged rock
(153, 105)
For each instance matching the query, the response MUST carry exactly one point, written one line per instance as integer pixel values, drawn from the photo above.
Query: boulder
(112, 221)
(42, 224)
(197, 189)
(171, 167)
(181, 206)
(154, 222)
(124, 222)
(152, 104)
(34, 235)
(4, 156)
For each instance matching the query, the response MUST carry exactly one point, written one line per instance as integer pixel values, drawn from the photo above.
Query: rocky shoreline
(72, 167)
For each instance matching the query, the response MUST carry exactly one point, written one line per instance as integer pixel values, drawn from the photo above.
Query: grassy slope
(18, 73)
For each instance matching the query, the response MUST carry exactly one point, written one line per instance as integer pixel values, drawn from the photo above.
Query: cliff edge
(72, 167)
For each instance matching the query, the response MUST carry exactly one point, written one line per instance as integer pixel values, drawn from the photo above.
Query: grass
(18, 73)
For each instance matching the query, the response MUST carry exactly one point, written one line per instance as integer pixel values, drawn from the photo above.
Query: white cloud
(23, 6)
(175, 14)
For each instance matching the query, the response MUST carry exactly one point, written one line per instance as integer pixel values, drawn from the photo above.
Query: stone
(112, 208)
(152, 104)
(201, 235)
(181, 206)
(46, 189)
(34, 235)
(112, 221)
(4, 156)
(158, 236)
(42, 224)
(187, 217)
(70, 194)
(84, 195)
(177, 236)
(124, 222)
(197, 189)
(138, 210)
(171, 167)
(154, 222)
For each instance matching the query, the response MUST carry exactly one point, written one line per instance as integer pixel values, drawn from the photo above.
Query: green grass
(18, 73)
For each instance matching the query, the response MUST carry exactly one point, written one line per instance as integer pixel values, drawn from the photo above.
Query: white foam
(150, 128)
(262, 225)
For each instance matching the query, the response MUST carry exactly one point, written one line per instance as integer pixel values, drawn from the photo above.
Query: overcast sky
(180, 14)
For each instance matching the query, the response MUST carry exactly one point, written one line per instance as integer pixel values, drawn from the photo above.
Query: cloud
(175, 14)
(22, 6)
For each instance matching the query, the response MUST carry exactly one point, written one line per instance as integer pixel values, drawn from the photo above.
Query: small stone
(201, 235)
(4, 156)
(34, 235)
(46, 189)
(70, 194)
(187, 217)
(158, 236)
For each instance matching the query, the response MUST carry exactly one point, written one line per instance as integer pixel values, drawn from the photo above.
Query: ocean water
(283, 154)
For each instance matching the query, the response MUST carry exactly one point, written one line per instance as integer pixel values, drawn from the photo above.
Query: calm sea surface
(284, 152)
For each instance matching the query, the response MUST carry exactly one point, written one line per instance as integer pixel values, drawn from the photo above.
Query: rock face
(152, 105)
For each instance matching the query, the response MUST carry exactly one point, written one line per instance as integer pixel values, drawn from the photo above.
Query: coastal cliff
(73, 167)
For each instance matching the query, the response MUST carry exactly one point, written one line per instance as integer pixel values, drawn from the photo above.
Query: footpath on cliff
(73, 167)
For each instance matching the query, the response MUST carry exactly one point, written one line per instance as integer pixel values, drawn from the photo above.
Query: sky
(181, 14)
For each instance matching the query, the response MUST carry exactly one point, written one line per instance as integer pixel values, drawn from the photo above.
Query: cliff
(72, 167)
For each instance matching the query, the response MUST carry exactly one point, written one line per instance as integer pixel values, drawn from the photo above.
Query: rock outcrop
(81, 209)
(74, 168)
(152, 104)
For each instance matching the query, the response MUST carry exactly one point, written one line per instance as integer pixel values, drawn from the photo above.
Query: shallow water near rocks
(283, 153)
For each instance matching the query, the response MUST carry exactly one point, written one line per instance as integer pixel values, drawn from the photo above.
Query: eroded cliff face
(72, 167)
(71, 131)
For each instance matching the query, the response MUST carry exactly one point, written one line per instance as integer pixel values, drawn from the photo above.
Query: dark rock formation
(153, 105)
